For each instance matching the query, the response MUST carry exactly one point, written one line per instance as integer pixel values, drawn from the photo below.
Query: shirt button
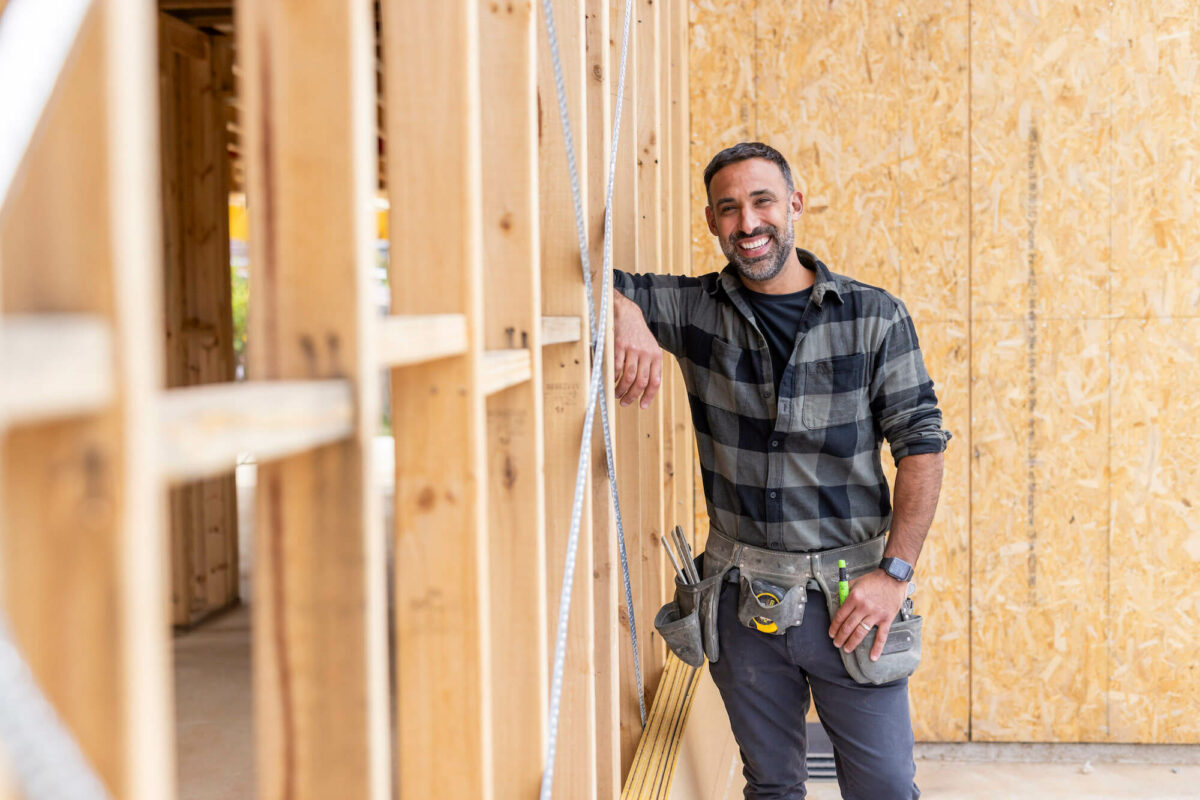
(774, 443)
(766, 393)
(774, 495)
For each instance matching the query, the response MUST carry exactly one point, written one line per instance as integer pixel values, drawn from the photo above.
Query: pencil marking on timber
(1031, 212)
(269, 250)
(288, 737)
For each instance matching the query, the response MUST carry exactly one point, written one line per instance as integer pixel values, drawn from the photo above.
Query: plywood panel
(722, 95)
(1039, 532)
(1040, 138)
(1155, 618)
(934, 178)
(1155, 158)
(940, 689)
(838, 128)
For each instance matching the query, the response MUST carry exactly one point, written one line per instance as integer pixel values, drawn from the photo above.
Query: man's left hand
(874, 601)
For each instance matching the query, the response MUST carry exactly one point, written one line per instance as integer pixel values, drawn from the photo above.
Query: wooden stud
(82, 548)
(319, 614)
(565, 373)
(205, 428)
(503, 369)
(626, 248)
(444, 716)
(559, 329)
(413, 338)
(646, 142)
(55, 365)
(512, 319)
(600, 36)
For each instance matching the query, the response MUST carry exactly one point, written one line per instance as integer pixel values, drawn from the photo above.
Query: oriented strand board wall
(1024, 177)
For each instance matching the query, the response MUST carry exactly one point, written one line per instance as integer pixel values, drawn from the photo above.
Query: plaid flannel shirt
(800, 471)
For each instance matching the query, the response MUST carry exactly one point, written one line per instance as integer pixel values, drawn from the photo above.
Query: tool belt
(773, 590)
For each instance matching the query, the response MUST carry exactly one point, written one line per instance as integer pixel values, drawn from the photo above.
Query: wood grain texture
(516, 466)
(1155, 541)
(444, 723)
(836, 119)
(319, 617)
(1155, 116)
(939, 691)
(1040, 532)
(1040, 134)
(565, 372)
(198, 305)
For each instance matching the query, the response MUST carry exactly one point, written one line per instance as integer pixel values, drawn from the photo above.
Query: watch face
(897, 568)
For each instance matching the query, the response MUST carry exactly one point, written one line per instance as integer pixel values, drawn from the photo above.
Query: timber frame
(486, 351)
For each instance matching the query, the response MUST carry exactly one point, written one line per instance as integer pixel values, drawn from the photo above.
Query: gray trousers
(765, 681)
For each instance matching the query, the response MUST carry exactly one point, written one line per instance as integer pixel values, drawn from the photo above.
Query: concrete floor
(216, 746)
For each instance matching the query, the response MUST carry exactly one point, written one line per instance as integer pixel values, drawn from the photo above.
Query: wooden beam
(81, 544)
(599, 74)
(320, 650)
(54, 366)
(205, 428)
(626, 251)
(561, 330)
(565, 386)
(516, 467)
(416, 338)
(443, 718)
(680, 215)
(503, 369)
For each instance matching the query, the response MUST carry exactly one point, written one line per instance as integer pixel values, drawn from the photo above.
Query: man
(795, 375)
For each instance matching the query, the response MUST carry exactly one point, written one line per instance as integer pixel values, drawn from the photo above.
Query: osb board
(1039, 159)
(831, 105)
(1039, 531)
(1155, 622)
(721, 69)
(940, 689)
(934, 177)
(1156, 159)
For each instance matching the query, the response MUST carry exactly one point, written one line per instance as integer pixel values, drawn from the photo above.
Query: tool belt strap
(790, 569)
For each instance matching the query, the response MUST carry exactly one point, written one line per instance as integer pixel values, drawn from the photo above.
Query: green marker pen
(843, 583)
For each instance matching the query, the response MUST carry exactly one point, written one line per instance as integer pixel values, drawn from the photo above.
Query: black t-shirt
(778, 317)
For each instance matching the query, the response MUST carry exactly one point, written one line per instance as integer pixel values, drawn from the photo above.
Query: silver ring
(865, 626)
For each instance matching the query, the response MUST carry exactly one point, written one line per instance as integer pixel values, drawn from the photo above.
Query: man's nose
(748, 221)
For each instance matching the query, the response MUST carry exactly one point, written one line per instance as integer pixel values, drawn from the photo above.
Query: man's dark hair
(741, 152)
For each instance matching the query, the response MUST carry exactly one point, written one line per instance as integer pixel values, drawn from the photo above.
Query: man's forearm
(918, 483)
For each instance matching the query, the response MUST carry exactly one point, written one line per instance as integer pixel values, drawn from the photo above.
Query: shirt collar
(824, 282)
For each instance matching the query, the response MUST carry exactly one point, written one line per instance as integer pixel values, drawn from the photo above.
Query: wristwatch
(897, 568)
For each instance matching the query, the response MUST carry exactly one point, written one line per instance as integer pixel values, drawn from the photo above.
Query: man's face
(751, 215)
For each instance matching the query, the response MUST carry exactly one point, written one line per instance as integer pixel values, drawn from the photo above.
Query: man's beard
(768, 265)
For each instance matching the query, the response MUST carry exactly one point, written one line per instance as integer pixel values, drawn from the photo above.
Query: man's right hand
(637, 356)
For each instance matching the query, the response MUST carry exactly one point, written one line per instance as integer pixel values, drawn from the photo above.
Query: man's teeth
(753, 244)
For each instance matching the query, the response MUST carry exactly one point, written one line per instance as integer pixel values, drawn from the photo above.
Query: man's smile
(754, 248)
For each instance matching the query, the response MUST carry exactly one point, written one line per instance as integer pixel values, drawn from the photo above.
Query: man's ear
(712, 220)
(797, 205)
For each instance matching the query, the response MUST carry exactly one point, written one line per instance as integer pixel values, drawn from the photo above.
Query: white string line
(599, 330)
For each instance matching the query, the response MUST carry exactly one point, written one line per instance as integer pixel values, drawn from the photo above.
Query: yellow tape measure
(768, 598)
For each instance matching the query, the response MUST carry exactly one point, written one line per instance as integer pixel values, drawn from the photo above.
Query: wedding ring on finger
(865, 626)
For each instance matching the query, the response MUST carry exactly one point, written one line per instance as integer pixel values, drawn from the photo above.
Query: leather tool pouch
(688, 624)
(901, 651)
(768, 607)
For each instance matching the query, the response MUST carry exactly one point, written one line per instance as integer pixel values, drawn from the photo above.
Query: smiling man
(795, 376)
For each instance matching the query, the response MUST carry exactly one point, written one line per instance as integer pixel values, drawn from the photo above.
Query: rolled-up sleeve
(664, 300)
(902, 397)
